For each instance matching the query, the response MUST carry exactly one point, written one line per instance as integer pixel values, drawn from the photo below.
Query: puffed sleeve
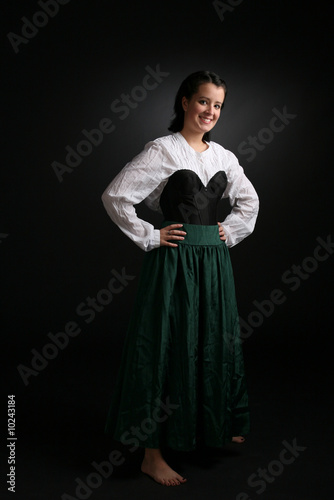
(244, 202)
(131, 186)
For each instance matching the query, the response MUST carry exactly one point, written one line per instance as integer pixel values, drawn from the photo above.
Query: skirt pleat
(181, 382)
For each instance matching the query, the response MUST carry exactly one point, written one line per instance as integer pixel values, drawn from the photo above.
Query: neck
(194, 140)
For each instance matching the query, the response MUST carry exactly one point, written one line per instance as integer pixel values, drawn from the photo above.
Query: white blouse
(144, 178)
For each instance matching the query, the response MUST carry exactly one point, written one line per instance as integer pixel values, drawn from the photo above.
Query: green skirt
(181, 382)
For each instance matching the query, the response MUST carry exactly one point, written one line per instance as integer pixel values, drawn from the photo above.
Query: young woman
(181, 381)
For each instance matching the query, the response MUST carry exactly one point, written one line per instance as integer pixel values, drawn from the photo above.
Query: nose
(210, 109)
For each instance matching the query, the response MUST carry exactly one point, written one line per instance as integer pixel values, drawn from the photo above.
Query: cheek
(192, 114)
(201, 109)
(196, 110)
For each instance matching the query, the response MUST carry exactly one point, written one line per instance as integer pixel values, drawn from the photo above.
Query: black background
(58, 245)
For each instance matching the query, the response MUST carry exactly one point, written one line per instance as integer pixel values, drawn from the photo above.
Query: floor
(286, 456)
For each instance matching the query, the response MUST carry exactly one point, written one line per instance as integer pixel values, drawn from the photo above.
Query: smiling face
(202, 111)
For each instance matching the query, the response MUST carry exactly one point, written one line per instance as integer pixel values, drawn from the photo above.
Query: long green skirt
(181, 382)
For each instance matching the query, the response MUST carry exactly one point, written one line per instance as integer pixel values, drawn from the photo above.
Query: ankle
(152, 454)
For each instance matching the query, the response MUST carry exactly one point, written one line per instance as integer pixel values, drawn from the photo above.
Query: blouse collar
(185, 142)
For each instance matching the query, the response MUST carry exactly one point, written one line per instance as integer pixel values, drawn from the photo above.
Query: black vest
(186, 199)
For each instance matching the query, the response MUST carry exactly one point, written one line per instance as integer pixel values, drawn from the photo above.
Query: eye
(203, 101)
(217, 106)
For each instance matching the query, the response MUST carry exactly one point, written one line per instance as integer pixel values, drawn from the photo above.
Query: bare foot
(156, 467)
(238, 439)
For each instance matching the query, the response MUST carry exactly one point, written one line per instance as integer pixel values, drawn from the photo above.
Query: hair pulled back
(187, 89)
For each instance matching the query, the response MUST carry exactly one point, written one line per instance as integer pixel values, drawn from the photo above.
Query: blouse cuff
(155, 242)
(228, 241)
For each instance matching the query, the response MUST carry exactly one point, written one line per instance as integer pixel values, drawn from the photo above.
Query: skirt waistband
(198, 234)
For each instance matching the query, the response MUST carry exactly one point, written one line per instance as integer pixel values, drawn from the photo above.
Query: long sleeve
(131, 186)
(144, 178)
(244, 201)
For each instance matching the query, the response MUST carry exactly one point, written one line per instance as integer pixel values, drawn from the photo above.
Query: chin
(207, 127)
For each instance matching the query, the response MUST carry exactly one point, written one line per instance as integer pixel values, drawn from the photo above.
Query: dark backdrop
(58, 247)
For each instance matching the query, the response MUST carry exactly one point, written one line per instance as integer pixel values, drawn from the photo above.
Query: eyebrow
(204, 97)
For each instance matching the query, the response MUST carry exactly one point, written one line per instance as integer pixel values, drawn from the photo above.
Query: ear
(184, 103)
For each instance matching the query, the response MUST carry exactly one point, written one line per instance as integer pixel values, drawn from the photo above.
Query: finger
(174, 236)
(175, 228)
(165, 240)
(172, 232)
(168, 243)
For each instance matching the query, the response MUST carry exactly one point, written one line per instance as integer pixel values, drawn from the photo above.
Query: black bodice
(186, 199)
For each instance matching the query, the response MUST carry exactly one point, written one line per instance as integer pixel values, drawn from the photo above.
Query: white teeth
(206, 120)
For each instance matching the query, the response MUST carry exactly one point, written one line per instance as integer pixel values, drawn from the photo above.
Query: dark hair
(187, 89)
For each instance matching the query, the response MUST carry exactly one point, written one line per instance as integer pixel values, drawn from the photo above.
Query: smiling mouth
(205, 120)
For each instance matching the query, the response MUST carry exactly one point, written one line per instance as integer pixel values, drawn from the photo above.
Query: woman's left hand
(221, 232)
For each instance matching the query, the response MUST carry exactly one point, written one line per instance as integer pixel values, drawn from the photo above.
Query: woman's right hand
(171, 232)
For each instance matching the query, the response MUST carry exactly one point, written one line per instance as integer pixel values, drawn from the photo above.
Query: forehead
(211, 91)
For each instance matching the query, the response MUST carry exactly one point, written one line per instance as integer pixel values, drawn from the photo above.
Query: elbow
(107, 200)
(104, 197)
(109, 204)
(256, 205)
(253, 206)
